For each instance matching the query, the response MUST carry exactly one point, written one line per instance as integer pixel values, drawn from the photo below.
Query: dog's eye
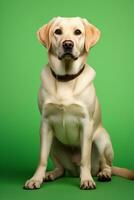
(58, 31)
(77, 32)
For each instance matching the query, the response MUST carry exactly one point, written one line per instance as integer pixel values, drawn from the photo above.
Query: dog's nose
(68, 45)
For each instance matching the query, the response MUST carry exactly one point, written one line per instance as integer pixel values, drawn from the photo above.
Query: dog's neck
(64, 67)
(67, 77)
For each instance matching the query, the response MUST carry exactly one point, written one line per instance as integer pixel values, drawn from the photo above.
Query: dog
(71, 130)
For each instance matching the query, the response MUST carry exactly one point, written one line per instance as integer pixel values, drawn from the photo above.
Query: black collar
(66, 77)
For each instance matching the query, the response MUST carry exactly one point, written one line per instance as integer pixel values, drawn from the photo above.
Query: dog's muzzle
(68, 48)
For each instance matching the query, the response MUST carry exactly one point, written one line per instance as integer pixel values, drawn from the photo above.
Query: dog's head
(68, 38)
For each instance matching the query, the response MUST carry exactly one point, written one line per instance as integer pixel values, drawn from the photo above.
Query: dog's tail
(123, 172)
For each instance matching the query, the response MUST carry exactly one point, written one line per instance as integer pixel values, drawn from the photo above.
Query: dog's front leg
(46, 137)
(87, 181)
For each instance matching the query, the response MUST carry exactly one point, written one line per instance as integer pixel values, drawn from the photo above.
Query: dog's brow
(59, 27)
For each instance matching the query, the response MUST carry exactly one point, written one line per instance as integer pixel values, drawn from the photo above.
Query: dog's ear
(92, 35)
(43, 34)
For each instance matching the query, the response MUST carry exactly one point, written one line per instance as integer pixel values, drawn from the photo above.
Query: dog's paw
(87, 185)
(104, 176)
(49, 176)
(32, 184)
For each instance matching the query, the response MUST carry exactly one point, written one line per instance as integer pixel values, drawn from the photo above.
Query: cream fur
(71, 126)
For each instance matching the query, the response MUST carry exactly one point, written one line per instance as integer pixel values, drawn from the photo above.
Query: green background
(21, 61)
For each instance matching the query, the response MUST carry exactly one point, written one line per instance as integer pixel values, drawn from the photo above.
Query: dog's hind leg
(62, 161)
(105, 173)
(57, 172)
(105, 149)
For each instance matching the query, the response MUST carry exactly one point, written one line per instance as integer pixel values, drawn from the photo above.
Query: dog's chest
(65, 114)
(66, 128)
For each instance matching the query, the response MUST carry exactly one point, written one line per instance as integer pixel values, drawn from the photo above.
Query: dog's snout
(68, 45)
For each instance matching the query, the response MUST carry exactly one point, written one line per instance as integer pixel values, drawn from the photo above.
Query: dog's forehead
(69, 22)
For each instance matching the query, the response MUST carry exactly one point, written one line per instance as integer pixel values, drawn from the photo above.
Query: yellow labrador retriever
(71, 126)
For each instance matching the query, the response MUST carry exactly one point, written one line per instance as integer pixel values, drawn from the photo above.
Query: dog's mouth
(67, 55)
